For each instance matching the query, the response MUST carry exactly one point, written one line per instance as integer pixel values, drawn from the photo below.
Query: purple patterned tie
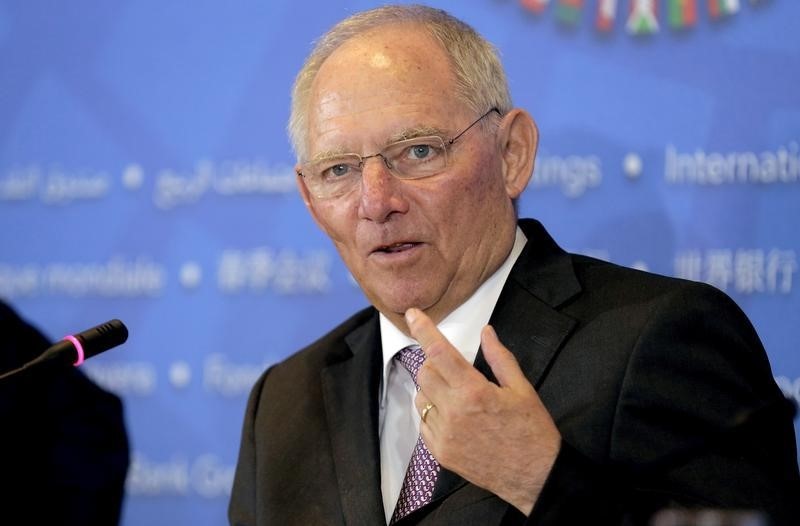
(423, 469)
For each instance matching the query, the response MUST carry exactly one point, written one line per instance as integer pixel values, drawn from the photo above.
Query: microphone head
(102, 337)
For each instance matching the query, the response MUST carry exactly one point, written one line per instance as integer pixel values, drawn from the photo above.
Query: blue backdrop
(145, 175)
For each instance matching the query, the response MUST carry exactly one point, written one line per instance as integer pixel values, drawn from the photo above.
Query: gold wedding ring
(425, 410)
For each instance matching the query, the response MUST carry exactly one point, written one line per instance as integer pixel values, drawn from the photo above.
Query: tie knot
(412, 358)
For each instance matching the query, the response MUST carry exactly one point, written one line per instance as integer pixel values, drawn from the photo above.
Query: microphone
(76, 348)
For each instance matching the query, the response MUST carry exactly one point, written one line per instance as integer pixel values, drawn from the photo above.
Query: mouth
(395, 248)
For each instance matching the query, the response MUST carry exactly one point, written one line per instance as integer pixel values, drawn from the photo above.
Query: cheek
(483, 206)
(481, 189)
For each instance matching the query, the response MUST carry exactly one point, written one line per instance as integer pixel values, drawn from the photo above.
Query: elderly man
(555, 388)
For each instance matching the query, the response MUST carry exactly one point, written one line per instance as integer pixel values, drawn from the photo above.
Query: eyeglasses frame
(363, 158)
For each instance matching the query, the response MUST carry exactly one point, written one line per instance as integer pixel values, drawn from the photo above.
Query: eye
(424, 151)
(419, 151)
(335, 171)
(339, 170)
(417, 157)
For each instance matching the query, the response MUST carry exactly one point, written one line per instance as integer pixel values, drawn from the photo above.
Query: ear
(519, 139)
(307, 198)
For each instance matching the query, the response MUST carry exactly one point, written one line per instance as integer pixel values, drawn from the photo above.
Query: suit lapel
(350, 390)
(526, 319)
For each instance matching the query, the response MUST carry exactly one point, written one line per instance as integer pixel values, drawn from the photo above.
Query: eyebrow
(413, 133)
(328, 154)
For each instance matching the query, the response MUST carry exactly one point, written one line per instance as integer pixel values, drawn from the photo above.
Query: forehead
(379, 84)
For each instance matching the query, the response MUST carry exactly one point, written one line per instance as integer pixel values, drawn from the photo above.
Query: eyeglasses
(415, 158)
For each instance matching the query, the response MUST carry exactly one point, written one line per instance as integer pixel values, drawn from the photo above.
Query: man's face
(425, 243)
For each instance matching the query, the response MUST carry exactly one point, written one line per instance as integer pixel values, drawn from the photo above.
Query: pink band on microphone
(78, 347)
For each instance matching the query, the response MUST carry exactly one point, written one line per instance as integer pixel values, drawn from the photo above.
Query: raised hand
(499, 437)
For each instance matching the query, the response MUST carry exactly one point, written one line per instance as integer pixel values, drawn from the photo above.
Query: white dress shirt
(398, 423)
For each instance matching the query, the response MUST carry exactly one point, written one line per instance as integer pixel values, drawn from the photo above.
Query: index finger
(439, 352)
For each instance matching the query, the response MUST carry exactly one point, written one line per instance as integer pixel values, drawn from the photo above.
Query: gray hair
(480, 79)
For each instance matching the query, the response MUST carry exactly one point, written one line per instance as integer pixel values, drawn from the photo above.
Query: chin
(400, 303)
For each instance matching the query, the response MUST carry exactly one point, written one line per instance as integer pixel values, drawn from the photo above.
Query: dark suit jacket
(660, 388)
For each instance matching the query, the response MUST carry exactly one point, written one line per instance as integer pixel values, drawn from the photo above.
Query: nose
(381, 192)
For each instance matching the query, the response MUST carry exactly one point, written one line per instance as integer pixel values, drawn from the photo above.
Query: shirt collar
(463, 326)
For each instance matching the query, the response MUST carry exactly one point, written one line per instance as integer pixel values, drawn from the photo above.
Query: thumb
(502, 362)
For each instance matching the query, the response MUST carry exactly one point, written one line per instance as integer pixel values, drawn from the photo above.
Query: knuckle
(435, 348)
(422, 374)
(475, 397)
